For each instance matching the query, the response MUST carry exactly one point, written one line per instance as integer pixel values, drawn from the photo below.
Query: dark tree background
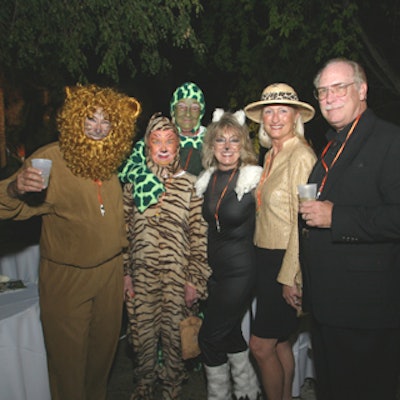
(231, 48)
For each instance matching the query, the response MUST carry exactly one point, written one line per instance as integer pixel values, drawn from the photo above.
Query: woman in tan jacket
(287, 164)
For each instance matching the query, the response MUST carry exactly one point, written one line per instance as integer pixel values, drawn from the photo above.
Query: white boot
(245, 381)
(218, 382)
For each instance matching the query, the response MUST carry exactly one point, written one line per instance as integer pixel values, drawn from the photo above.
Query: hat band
(279, 96)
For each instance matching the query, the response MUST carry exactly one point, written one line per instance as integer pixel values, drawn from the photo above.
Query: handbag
(189, 329)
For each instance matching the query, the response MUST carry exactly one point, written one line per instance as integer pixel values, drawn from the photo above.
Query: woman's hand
(129, 293)
(191, 296)
(292, 296)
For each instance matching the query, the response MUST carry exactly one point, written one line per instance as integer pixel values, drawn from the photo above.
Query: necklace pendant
(102, 210)
(218, 226)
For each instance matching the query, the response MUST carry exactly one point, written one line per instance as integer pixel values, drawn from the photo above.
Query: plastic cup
(44, 165)
(307, 192)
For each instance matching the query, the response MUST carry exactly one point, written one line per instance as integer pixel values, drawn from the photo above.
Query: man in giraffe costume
(187, 109)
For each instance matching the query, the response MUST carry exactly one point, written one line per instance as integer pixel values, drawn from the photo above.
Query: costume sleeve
(30, 205)
(198, 270)
(137, 160)
(128, 215)
(136, 171)
(300, 167)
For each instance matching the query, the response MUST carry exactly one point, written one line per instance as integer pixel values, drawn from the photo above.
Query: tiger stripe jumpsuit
(167, 249)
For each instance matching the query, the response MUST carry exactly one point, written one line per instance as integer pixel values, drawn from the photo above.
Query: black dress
(231, 256)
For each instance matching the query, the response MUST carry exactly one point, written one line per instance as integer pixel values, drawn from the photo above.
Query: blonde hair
(86, 157)
(215, 129)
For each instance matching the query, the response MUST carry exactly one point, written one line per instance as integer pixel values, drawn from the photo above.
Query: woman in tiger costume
(166, 266)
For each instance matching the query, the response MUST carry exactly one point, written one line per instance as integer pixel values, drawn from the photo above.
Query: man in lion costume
(82, 237)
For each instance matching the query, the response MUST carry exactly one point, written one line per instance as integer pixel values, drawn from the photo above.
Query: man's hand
(317, 213)
(28, 180)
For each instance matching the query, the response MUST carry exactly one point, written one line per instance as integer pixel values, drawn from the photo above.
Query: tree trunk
(3, 153)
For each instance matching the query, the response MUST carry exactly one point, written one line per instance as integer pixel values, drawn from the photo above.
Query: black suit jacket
(351, 272)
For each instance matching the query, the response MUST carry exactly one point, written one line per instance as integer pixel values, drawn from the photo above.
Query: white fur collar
(249, 177)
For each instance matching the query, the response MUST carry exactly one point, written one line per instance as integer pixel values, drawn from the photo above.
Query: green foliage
(233, 47)
(74, 39)
(254, 43)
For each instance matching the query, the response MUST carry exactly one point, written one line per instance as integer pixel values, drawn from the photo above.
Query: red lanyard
(161, 199)
(340, 151)
(98, 182)
(221, 197)
(188, 159)
(265, 175)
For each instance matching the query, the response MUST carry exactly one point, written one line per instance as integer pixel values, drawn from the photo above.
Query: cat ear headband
(239, 115)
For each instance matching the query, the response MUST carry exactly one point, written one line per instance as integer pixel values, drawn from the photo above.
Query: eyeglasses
(182, 108)
(222, 141)
(339, 90)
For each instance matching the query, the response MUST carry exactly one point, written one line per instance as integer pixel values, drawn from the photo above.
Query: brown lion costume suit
(83, 234)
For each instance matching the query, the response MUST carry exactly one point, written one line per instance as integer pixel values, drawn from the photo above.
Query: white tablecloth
(304, 366)
(23, 365)
(22, 265)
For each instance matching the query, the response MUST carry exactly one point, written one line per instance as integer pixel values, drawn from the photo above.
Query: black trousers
(221, 332)
(356, 364)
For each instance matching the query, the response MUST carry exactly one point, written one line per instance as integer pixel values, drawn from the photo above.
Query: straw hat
(279, 93)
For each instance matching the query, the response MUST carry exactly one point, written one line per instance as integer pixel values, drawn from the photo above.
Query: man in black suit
(350, 243)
